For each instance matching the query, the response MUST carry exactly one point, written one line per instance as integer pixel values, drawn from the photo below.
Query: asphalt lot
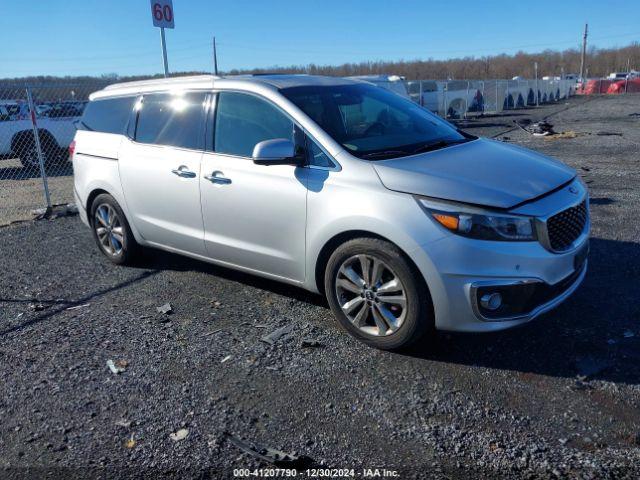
(559, 397)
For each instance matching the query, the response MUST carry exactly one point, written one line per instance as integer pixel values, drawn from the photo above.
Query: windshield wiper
(429, 147)
(384, 154)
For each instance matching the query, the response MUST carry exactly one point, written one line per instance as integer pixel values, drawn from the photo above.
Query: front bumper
(456, 267)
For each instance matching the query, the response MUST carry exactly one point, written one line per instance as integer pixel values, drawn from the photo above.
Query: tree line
(599, 63)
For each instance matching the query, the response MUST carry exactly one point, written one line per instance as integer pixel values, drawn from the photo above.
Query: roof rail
(161, 81)
(275, 73)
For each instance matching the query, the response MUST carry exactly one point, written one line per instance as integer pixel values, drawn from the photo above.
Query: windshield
(371, 122)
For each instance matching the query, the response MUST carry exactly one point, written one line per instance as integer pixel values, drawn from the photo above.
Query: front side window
(243, 120)
(317, 157)
(107, 116)
(371, 122)
(171, 119)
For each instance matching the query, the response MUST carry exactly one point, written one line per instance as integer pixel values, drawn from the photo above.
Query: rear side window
(243, 120)
(107, 116)
(174, 120)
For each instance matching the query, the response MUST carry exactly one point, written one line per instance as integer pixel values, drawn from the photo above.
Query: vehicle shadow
(162, 260)
(594, 334)
(22, 173)
(53, 307)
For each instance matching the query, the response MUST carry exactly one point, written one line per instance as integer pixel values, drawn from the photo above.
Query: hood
(482, 172)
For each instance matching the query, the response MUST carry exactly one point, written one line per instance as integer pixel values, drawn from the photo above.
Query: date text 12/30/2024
(316, 472)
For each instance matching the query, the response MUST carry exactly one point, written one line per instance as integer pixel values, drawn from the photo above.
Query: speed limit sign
(162, 13)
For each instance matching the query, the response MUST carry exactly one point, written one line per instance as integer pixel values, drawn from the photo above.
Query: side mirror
(278, 151)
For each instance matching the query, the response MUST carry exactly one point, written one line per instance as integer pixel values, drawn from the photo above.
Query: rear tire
(25, 149)
(111, 231)
(28, 154)
(378, 295)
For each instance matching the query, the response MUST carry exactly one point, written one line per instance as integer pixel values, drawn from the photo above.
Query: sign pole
(164, 52)
(162, 16)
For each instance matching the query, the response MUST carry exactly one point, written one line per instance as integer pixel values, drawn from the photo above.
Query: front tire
(377, 294)
(111, 230)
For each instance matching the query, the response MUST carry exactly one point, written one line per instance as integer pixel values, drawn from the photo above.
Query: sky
(75, 37)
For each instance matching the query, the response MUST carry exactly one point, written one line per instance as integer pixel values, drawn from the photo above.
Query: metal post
(535, 69)
(420, 100)
(444, 98)
(506, 94)
(36, 138)
(466, 101)
(497, 97)
(215, 58)
(164, 52)
(626, 78)
(483, 100)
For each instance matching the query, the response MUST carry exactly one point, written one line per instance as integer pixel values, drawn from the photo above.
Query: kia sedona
(404, 222)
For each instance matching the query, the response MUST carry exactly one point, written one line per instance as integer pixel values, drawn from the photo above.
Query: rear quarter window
(107, 116)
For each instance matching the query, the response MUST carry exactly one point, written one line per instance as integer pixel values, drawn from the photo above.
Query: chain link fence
(37, 124)
(458, 98)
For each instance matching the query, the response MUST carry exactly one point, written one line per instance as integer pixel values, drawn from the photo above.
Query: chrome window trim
(134, 117)
(336, 168)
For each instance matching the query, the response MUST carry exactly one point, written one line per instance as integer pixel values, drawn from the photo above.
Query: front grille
(565, 227)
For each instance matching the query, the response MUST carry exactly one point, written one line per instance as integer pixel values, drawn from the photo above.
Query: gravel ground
(559, 397)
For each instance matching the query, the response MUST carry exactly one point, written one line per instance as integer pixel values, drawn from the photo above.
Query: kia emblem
(573, 190)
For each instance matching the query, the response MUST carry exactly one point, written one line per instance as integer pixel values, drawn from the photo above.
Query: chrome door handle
(184, 172)
(218, 177)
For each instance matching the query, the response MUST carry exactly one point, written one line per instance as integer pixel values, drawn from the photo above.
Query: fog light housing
(496, 301)
(491, 301)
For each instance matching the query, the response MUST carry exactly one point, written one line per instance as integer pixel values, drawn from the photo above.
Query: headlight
(480, 224)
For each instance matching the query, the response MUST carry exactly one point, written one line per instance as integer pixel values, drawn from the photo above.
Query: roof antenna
(215, 58)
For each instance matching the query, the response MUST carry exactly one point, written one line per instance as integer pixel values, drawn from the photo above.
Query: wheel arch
(92, 196)
(99, 189)
(334, 242)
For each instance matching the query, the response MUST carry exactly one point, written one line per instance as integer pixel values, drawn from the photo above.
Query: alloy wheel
(371, 295)
(109, 231)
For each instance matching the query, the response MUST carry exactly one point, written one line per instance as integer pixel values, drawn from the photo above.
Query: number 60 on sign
(162, 13)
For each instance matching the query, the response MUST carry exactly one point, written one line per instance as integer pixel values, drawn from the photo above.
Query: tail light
(72, 148)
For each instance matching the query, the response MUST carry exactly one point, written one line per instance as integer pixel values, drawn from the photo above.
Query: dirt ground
(559, 397)
(22, 190)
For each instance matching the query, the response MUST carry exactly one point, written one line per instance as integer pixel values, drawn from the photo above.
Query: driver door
(254, 215)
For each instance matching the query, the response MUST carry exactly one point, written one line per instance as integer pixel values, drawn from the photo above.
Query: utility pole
(215, 58)
(584, 51)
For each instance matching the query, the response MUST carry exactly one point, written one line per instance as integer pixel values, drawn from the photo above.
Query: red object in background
(72, 148)
(594, 87)
(632, 86)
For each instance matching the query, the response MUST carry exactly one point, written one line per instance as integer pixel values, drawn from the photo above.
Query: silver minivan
(404, 222)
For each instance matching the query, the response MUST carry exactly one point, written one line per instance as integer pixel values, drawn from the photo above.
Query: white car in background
(393, 83)
(450, 97)
(16, 135)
